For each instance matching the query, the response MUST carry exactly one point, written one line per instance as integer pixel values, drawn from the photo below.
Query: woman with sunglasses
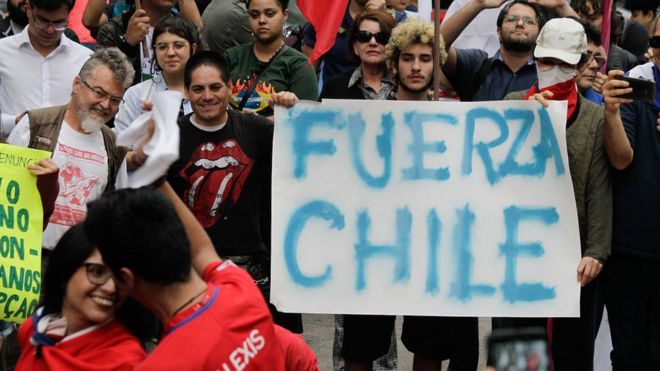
(371, 80)
(175, 40)
(262, 68)
(79, 326)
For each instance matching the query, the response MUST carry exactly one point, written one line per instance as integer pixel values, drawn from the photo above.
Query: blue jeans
(632, 297)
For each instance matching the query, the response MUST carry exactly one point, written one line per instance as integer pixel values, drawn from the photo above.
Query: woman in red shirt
(78, 326)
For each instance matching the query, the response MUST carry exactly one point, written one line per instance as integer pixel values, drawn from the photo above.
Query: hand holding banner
(21, 217)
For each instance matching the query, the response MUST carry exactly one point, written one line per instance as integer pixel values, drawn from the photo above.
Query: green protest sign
(21, 222)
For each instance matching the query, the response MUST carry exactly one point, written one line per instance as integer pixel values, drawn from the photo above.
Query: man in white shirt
(38, 64)
(83, 147)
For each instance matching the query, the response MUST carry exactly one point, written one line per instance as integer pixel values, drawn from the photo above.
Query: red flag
(605, 28)
(326, 17)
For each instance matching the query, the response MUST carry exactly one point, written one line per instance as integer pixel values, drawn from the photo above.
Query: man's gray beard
(90, 124)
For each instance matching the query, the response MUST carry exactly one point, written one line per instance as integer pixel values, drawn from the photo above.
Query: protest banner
(424, 208)
(21, 222)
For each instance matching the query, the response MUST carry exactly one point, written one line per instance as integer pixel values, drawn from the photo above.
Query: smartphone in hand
(643, 90)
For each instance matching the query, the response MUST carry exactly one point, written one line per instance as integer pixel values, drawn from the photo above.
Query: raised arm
(201, 248)
(452, 28)
(93, 17)
(190, 12)
(617, 146)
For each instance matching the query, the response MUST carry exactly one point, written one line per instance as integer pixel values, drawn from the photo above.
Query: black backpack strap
(479, 79)
(247, 91)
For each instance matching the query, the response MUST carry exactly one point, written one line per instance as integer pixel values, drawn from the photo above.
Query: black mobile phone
(519, 349)
(643, 90)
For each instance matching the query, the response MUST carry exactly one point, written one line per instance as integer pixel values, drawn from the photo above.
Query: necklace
(188, 302)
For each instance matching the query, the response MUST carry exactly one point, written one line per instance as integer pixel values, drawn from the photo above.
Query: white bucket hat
(561, 38)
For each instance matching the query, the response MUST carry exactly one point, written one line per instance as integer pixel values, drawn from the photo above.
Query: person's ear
(126, 279)
(75, 86)
(193, 48)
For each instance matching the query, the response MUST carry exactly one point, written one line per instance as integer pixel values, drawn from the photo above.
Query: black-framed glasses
(103, 95)
(529, 21)
(43, 24)
(98, 274)
(600, 60)
(654, 41)
(365, 36)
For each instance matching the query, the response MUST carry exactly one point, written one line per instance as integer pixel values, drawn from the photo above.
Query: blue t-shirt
(593, 96)
(499, 82)
(338, 60)
(636, 228)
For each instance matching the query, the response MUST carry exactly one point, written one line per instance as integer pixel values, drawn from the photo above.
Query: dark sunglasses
(98, 274)
(654, 42)
(365, 36)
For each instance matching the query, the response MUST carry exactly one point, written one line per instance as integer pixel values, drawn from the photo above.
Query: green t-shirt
(290, 72)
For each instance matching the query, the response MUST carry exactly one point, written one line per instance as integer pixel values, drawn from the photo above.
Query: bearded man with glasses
(471, 72)
(38, 64)
(82, 146)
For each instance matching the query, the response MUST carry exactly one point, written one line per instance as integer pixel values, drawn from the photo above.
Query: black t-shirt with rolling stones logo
(224, 178)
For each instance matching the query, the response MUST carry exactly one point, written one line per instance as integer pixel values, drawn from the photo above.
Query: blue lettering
(434, 229)
(461, 288)
(400, 251)
(419, 147)
(383, 144)
(510, 165)
(512, 290)
(303, 147)
(320, 209)
(483, 148)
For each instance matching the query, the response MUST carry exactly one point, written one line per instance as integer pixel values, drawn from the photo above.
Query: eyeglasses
(43, 25)
(365, 36)
(98, 274)
(600, 60)
(546, 64)
(101, 94)
(654, 41)
(529, 21)
(163, 47)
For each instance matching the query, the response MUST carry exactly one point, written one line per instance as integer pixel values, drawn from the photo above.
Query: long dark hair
(70, 253)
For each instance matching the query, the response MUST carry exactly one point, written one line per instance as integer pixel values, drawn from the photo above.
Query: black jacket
(112, 34)
(337, 88)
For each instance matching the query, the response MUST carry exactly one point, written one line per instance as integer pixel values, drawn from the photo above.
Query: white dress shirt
(29, 81)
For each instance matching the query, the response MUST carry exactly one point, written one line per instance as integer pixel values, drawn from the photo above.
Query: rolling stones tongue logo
(216, 174)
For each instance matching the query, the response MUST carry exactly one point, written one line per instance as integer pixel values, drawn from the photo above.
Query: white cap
(561, 38)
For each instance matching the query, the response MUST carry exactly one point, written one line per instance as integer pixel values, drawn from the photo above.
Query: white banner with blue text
(424, 208)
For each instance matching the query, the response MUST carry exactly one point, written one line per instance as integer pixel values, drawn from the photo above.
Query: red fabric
(298, 356)
(326, 17)
(75, 22)
(230, 329)
(49, 188)
(109, 347)
(566, 90)
(605, 28)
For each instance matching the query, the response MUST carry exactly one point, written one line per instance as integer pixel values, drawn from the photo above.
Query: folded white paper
(163, 148)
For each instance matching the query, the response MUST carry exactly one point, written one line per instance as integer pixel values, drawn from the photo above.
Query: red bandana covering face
(566, 90)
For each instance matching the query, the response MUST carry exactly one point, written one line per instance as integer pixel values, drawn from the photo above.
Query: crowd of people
(176, 275)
